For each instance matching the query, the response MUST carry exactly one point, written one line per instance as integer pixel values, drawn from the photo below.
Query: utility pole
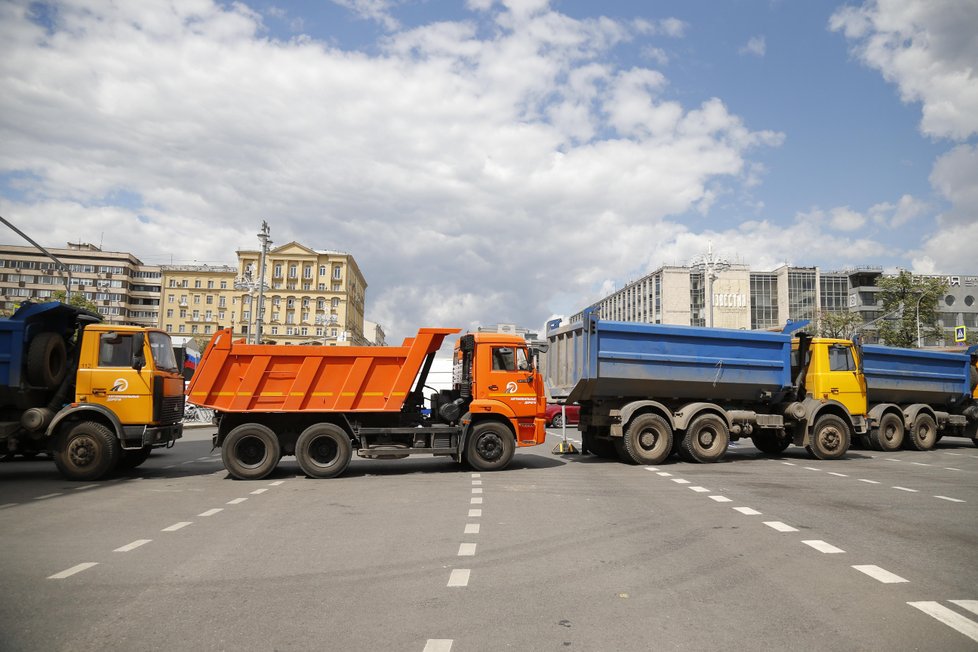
(711, 265)
(263, 235)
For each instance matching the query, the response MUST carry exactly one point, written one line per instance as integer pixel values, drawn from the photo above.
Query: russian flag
(191, 359)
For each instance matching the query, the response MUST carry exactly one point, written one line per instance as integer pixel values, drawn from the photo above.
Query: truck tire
(770, 444)
(889, 435)
(830, 438)
(923, 433)
(87, 451)
(47, 360)
(323, 450)
(490, 447)
(706, 439)
(132, 459)
(250, 452)
(648, 439)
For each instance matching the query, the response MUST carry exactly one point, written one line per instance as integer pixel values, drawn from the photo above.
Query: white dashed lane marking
(822, 546)
(952, 500)
(211, 512)
(471, 528)
(6, 505)
(477, 490)
(680, 481)
(438, 645)
(840, 475)
(132, 546)
(475, 501)
(236, 501)
(74, 569)
(459, 577)
(475, 512)
(277, 483)
(779, 526)
(664, 474)
(700, 490)
(466, 549)
(913, 491)
(257, 492)
(720, 499)
(868, 481)
(950, 618)
(46, 496)
(747, 511)
(177, 526)
(88, 486)
(880, 574)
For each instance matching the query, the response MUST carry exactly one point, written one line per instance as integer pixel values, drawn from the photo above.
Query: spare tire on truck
(47, 360)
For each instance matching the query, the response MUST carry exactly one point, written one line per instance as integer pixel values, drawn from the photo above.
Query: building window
(170, 298)
(224, 285)
(763, 301)
(210, 300)
(222, 302)
(307, 271)
(293, 271)
(336, 287)
(197, 283)
(322, 270)
(183, 313)
(801, 294)
(169, 312)
(335, 302)
(337, 272)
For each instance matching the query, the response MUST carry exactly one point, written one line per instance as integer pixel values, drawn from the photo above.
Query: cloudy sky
(496, 161)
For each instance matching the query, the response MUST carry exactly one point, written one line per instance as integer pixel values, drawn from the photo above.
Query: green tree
(838, 323)
(910, 296)
(77, 299)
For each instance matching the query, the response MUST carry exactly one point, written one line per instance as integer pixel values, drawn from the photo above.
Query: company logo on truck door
(120, 385)
(511, 387)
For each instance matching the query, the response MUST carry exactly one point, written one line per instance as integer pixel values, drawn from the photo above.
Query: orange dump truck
(321, 403)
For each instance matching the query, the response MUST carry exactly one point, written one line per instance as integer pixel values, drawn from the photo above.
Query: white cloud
(755, 46)
(474, 173)
(955, 176)
(928, 49)
(375, 10)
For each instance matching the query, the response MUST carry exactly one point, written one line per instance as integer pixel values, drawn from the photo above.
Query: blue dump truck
(649, 390)
(95, 396)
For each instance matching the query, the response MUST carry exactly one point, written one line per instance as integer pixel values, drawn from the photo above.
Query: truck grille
(171, 409)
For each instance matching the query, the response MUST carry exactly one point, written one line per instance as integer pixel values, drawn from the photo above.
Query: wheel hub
(648, 439)
(251, 451)
(490, 447)
(81, 451)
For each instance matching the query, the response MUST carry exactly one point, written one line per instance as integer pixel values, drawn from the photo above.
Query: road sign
(960, 334)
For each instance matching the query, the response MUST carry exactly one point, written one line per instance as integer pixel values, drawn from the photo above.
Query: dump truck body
(92, 395)
(322, 404)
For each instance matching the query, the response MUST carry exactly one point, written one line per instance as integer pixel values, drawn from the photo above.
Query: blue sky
(522, 157)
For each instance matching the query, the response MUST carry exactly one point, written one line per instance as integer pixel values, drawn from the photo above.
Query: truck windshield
(162, 348)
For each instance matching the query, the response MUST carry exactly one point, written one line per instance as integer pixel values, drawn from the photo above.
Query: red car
(554, 420)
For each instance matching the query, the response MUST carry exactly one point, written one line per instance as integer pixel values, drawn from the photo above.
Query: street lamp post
(263, 235)
(711, 265)
(921, 298)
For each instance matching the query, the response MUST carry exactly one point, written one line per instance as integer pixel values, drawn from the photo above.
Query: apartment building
(197, 300)
(125, 290)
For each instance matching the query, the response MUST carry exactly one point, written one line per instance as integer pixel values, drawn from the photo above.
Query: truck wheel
(250, 452)
(87, 451)
(889, 435)
(490, 447)
(770, 444)
(706, 439)
(648, 439)
(47, 360)
(323, 451)
(132, 459)
(829, 439)
(923, 433)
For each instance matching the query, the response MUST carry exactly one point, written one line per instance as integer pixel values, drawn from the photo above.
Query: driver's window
(840, 359)
(115, 350)
(521, 362)
(503, 359)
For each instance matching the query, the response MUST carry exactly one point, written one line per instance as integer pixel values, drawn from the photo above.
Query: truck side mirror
(138, 357)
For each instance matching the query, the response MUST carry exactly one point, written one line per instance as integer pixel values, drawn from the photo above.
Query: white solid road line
(177, 526)
(466, 549)
(459, 577)
(438, 645)
(880, 574)
(747, 511)
(953, 500)
(132, 546)
(821, 546)
(211, 512)
(236, 501)
(471, 528)
(780, 527)
(721, 499)
(74, 569)
(950, 618)
(475, 512)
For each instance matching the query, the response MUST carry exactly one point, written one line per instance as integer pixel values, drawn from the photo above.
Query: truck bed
(233, 376)
(915, 376)
(606, 359)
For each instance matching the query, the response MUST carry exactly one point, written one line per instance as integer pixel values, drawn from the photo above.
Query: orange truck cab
(322, 403)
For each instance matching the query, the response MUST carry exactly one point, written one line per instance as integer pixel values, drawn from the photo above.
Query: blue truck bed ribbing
(598, 358)
(915, 376)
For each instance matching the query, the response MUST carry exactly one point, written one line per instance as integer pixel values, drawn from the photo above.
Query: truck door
(844, 382)
(114, 383)
(509, 379)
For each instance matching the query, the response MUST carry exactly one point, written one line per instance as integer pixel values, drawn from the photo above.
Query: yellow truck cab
(96, 396)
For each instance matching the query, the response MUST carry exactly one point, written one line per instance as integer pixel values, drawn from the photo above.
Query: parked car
(554, 419)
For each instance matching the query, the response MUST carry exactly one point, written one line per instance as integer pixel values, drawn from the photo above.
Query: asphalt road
(873, 552)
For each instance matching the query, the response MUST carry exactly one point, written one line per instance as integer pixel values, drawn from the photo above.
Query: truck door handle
(100, 391)
(835, 390)
(493, 388)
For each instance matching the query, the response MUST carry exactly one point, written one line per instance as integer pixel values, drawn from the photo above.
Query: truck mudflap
(531, 433)
(136, 437)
